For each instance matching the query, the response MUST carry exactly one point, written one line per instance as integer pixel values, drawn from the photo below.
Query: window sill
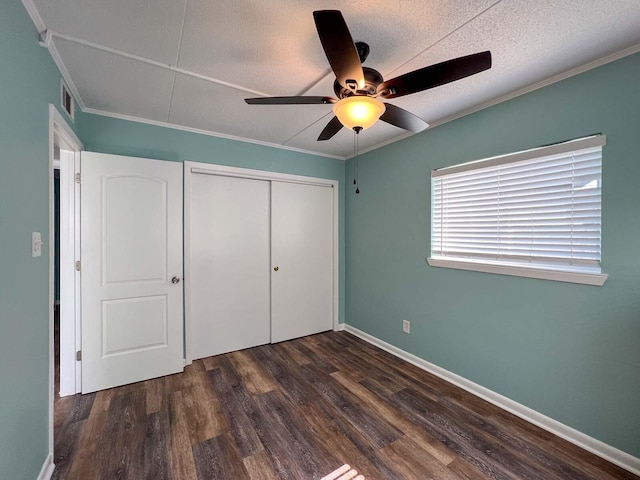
(596, 279)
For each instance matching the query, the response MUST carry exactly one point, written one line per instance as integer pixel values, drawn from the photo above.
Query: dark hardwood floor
(299, 410)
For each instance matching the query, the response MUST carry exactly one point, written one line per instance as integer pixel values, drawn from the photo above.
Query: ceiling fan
(359, 89)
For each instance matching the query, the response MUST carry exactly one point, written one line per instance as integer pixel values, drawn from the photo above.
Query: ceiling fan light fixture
(358, 111)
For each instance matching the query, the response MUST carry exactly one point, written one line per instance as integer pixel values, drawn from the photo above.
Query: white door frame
(60, 133)
(191, 168)
(70, 368)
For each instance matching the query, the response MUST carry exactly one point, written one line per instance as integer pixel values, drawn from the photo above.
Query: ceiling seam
(314, 82)
(173, 88)
(444, 37)
(175, 75)
(155, 63)
(306, 128)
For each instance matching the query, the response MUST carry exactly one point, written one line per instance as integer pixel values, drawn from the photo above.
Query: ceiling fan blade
(339, 48)
(435, 75)
(401, 118)
(289, 100)
(331, 129)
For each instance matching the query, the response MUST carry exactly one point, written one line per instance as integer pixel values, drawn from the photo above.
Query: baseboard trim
(597, 447)
(47, 468)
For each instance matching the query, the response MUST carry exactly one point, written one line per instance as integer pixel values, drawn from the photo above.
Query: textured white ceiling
(190, 63)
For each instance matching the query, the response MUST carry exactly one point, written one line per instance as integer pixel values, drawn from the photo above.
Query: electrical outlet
(406, 326)
(36, 244)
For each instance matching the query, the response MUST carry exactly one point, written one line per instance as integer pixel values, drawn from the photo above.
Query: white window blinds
(539, 208)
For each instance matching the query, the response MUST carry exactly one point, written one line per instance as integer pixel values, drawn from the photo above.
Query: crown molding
(207, 132)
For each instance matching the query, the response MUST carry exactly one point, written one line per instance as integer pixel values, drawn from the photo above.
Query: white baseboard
(47, 468)
(597, 447)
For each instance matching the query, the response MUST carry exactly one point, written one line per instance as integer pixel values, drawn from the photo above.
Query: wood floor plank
(560, 454)
(126, 429)
(465, 470)
(415, 463)
(319, 361)
(259, 466)
(513, 444)
(299, 410)
(293, 384)
(218, 458)
(335, 431)
(88, 461)
(172, 383)
(487, 456)
(295, 453)
(181, 463)
(408, 428)
(256, 379)
(69, 434)
(414, 376)
(156, 447)
(376, 427)
(155, 394)
(70, 426)
(204, 415)
(234, 402)
(291, 354)
(374, 374)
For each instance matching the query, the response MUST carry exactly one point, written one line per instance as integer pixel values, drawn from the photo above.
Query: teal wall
(29, 82)
(569, 351)
(122, 137)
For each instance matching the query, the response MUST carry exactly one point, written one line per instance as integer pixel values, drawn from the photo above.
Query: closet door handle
(175, 280)
(275, 269)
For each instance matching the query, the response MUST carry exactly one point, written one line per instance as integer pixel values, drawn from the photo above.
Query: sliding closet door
(229, 264)
(301, 260)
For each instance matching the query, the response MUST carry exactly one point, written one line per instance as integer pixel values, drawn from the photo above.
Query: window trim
(596, 279)
(486, 266)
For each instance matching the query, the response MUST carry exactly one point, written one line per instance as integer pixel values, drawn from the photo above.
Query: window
(534, 213)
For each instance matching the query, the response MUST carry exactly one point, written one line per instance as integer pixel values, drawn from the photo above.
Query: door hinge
(78, 265)
(79, 356)
(77, 178)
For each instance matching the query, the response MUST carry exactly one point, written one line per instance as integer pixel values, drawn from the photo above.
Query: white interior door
(302, 260)
(131, 257)
(228, 291)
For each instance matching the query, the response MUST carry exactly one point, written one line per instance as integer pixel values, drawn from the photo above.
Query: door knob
(275, 269)
(175, 280)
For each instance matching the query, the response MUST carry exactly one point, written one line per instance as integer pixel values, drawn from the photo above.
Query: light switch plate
(36, 244)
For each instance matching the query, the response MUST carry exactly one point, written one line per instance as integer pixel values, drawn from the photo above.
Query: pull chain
(355, 153)
(357, 130)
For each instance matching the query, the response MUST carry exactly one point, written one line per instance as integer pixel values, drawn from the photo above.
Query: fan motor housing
(372, 78)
